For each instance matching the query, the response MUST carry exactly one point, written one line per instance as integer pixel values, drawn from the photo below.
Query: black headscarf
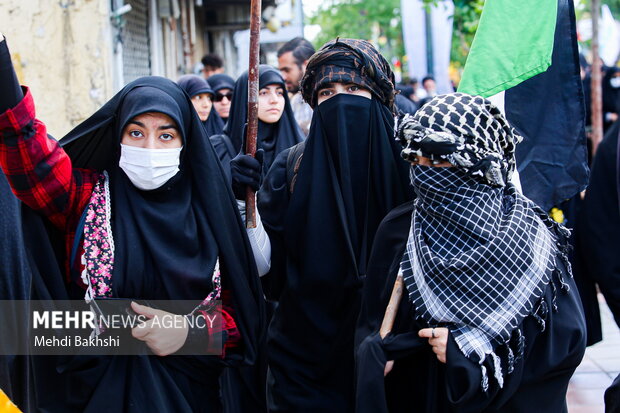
(405, 105)
(351, 176)
(349, 61)
(221, 81)
(167, 240)
(467, 131)
(272, 138)
(195, 85)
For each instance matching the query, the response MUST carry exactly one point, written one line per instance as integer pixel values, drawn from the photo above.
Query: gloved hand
(246, 171)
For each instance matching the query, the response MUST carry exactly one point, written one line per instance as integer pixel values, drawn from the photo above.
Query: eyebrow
(135, 122)
(162, 127)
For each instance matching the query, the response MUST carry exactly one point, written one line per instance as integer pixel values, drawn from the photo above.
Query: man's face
(291, 73)
(429, 85)
(209, 71)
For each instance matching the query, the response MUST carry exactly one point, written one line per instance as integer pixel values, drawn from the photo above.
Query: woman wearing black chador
(277, 129)
(144, 212)
(321, 206)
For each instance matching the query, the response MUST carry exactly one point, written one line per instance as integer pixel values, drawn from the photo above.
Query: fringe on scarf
(514, 348)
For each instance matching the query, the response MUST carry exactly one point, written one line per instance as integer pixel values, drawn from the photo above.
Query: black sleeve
(223, 153)
(10, 90)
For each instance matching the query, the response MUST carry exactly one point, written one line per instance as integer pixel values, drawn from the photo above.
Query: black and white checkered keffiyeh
(478, 259)
(467, 131)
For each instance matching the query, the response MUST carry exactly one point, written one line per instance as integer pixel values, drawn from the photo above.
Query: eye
(280, 92)
(136, 134)
(166, 137)
(325, 92)
(262, 92)
(354, 88)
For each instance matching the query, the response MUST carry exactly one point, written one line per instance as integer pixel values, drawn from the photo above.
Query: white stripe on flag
(500, 101)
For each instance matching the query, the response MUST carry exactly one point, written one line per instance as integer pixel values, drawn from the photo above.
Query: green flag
(514, 42)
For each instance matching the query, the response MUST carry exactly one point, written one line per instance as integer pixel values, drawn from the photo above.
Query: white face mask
(615, 82)
(149, 169)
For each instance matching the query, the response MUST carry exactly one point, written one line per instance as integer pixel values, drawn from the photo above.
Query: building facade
(75, 54)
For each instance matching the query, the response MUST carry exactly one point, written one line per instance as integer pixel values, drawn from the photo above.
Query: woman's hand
(164, 337)
(388, 367)
(438, 339)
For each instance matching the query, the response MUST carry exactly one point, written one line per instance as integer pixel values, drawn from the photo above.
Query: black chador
(167, 242)
(321, 213)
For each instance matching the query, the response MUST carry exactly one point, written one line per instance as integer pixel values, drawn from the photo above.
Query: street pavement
(599, 368)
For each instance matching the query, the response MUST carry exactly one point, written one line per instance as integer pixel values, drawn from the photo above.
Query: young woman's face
(222, 100)
(332, 89)
(203, 104)
(152, 130)
(270, 103)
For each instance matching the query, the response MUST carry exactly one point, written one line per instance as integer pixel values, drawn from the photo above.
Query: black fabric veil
(154, 258)
(347, 182)
(351, 176)
(195, 85)
(272, 138)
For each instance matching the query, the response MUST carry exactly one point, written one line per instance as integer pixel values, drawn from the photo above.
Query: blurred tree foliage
(375, 20)
(380, 22)
(614, 6)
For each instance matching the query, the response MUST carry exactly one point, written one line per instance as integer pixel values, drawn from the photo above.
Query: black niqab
(351, 176)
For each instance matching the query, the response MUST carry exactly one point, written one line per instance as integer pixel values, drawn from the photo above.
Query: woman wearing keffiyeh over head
(492, 321)
(321, 203)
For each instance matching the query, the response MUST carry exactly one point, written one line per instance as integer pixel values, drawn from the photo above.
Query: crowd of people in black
(360, 182)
